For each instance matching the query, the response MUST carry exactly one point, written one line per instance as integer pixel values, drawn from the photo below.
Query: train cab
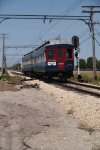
(60, 59)
(51, 59)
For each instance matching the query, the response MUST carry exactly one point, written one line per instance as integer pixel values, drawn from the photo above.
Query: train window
(36, 59)
(44, 57)
(51, 54)
(69, 53)
(60, 54)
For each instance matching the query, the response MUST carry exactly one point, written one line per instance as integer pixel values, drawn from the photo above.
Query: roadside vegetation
(87, 76)
(96, 147)
(14, 80)
(16, 67)
(86, 71)
(70, 111)
(88, 64)
(85, 127)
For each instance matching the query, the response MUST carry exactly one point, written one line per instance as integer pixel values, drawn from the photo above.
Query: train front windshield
(51, 54)
(69, 53)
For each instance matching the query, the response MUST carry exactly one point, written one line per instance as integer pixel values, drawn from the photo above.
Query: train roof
(50, 42)
(58, 41)
(44, 44)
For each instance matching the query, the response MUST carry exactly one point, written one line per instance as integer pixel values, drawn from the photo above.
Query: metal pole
(94, 58)
(93, 46)
(91, 27)
(78, 63)
(3, 55)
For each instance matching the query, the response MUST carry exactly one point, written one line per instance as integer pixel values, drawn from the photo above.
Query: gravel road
(48, 118)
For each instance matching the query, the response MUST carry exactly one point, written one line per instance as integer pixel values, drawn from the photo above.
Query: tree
(98, 64)
(90, 63)
(16, 66)
(83, 64)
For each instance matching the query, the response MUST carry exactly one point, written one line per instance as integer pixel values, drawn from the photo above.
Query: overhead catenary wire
(97, 42)
(87, 39)
(82, 34)
(20, 46)
(72, 7)
(50, 9)
(51, 6)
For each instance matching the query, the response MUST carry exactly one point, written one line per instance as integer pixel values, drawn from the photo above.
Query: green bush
(12, 79)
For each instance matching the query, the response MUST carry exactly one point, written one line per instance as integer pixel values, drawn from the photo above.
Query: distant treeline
(16, 67)
(88, 64)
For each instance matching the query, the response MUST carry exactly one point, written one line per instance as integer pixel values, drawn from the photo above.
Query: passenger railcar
(51, 59)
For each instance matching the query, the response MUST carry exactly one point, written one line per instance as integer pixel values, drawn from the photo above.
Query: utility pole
(91, 24)
(4, 65)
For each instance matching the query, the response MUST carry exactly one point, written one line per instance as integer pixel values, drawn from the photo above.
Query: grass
(88, 76)
(85, 127)
(12, 80)
(70, 111)
(96, 147)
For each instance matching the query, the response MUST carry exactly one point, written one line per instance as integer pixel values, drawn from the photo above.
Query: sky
(35, 32)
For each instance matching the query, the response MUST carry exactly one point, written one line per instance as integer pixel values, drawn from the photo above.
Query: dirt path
(31, 119)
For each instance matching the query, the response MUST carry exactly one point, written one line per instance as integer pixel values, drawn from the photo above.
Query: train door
(69, 63)
(60, 58)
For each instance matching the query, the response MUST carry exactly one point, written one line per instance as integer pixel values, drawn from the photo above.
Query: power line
(85, 40)
(72, 7)
(52, 4)
(97, 42)
(43, 17)
(49, 22)
(20, 46)
(68, 28)
(83, 33)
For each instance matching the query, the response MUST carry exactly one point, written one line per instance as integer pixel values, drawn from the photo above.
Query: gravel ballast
(84, 107)
(41, 116)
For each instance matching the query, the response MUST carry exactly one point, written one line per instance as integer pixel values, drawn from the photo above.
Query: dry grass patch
(8, 82)
(85, 127)
(4, 86)
(88, 76)
(14, 80)
(70, 111)
(96, 147)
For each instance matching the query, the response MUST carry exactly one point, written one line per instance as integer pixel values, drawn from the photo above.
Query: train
(52, 59)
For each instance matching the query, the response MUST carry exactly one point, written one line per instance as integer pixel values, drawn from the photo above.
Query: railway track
(83, 88)
(18, 73)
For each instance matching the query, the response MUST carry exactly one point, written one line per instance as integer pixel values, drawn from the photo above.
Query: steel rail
(80, 87)
(83, 90)
(85, 84)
